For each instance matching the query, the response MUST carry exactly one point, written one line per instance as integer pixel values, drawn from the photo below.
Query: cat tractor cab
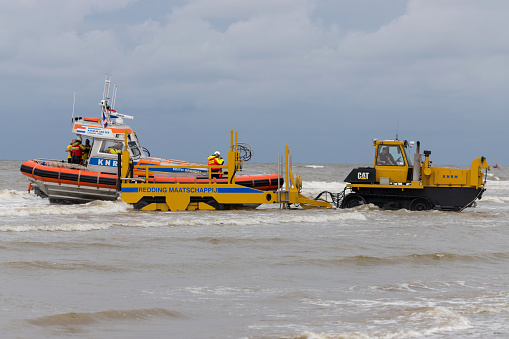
(400, 180)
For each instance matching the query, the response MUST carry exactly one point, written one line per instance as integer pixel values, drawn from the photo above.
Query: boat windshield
(134, 149)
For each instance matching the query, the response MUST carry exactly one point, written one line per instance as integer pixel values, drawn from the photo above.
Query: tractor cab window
(409, 158)
(389, 155)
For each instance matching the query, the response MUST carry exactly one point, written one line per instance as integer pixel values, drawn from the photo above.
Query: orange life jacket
(76, 149)
(214, 160)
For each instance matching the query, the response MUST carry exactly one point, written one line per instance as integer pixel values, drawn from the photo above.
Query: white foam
(433, 320)
(11, 195)
(497, 184)
(235, 219)
(44, 208)
(447, 319)
(326, 185)
(312, 188)
(53, 228)
(338, 215)
(495, 199)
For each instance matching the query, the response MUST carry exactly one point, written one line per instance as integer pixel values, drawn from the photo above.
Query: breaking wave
(59, 266)
(415, 259)
(76, 319)
(46, 209)
(434, 319)
(167, 219)
(53, 228)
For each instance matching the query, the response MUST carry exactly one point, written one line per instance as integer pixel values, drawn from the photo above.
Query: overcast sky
(324, 76)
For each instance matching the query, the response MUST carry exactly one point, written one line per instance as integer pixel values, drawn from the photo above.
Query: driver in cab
(385, 158)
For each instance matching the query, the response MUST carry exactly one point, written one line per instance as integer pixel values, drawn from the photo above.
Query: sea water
(104, 270)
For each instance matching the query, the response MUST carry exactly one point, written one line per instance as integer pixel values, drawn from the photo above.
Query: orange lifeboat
(72, 183)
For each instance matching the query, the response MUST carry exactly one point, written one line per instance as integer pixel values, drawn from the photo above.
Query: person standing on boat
(77, 150)
(216, 159)
(86, 151)
(69, 151)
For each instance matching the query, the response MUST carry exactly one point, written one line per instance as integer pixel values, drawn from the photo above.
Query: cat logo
(363, 175)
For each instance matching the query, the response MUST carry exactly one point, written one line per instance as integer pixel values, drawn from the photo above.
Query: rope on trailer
(245, 152)
(336, 198)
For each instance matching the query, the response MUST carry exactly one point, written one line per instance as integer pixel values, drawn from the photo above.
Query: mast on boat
(109, 113)
(73, 103)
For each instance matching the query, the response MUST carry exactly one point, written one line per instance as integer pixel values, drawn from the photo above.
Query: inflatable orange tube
(64, 175)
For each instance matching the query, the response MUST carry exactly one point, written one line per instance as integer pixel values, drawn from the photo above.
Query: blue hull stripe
(189, 190)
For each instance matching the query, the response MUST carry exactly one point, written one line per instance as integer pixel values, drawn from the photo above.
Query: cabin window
(111, 147)
(389, 155)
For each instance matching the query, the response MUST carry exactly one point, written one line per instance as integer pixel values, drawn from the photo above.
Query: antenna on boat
(104, 102)
(106, 109)
(114, 96)
(107, 82)
(73, 103)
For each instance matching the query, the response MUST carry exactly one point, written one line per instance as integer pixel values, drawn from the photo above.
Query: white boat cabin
(108, 136)
(106, 142)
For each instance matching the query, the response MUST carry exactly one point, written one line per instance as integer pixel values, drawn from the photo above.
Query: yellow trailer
(150, 196)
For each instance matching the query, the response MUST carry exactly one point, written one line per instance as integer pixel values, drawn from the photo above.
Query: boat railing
(170, 161)
(191, 169)
(59, 163)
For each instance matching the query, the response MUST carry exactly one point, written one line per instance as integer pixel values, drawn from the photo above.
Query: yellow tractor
(398, 180)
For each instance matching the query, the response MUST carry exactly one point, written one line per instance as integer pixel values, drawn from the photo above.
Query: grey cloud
(331, 71)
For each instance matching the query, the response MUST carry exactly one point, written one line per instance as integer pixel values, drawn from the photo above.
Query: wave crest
(73, 319)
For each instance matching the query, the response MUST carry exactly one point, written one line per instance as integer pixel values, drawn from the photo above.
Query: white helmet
(217, 153)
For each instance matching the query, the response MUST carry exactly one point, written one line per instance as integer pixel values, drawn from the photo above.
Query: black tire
(420, 204)
(352, 200)
(145, 201)
(217, 206)
(140, 204)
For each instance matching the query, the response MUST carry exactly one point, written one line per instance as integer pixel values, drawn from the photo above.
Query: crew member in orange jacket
(216, 159)
(76, 150)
